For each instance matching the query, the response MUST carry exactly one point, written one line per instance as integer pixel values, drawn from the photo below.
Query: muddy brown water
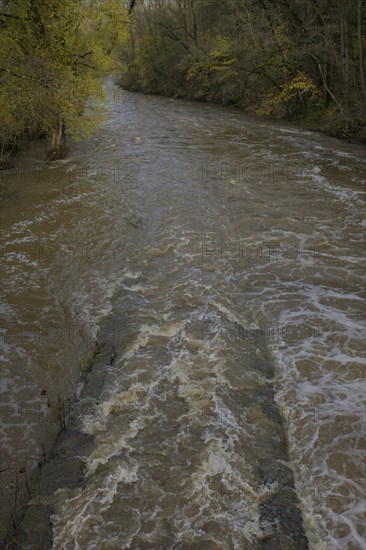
(218, 258)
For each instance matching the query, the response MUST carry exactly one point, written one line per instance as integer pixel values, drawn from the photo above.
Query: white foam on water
(146, 331)
(88, 505)
(233, 317)
(318, 399)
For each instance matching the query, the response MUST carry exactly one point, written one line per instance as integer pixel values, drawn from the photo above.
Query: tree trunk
(194, 22)
(57, 143)
(131, 6)
(360, 47)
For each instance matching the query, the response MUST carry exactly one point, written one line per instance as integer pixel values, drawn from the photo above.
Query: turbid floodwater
(217, 258)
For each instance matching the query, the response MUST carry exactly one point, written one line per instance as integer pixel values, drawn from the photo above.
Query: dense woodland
(53, 55)
(302, 60)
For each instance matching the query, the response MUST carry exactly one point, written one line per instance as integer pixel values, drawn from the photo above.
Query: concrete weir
(280, 517)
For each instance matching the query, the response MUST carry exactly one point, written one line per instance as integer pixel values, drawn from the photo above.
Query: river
(220, 256)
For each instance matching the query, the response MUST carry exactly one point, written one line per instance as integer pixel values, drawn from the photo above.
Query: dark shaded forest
(302, 60)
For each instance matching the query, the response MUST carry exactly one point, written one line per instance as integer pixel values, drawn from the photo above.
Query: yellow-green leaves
(52, 56)
(298, 89)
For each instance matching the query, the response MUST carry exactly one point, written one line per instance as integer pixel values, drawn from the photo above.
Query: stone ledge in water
(283, 524)
(279, 471)
(281, 518)
(65, 469)
(71, 443)
(35, 532)
(95, 380)
(60, 473)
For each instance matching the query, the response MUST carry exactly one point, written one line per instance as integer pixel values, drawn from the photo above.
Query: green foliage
(84, 363)
(52, 56)
(87, 360)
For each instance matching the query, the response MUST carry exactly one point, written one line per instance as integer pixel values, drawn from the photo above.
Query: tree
(53, 55)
